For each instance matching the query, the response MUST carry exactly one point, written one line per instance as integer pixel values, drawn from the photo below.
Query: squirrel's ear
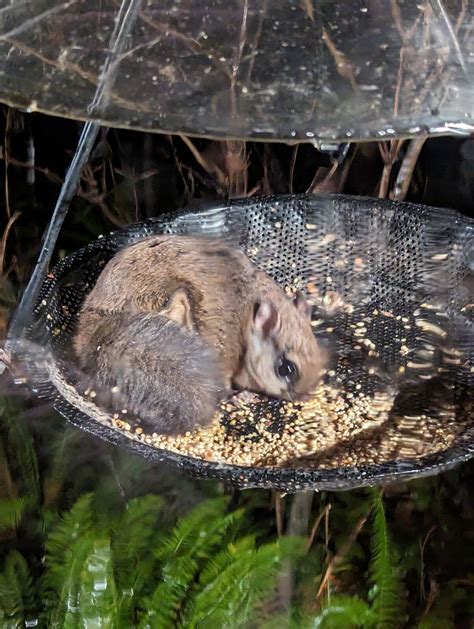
(178, 309)
(301, 305)
(266, 318)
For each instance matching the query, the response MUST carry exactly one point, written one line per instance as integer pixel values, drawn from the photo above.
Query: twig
(210, 167)
(238, 57)
(437, 74)
(316, 524)
(93, 197)
(7, 161)
(294, 155)
(422, 571)
(405, 37)
(339, 556)
(64, 64)
(262, 13)
(192, 44)
(335, 177)
(279, 513)
(389, 153)
(396, 100)
(461, 15)
(397, 18)
(235, 163)
(315, 183)
(28, 24)
(343, 66)
(133, 179)
(405, 173)
(307, 6)
(326, 544)
(5, 358)
(44, 171)
(453, 34)
(433, 593)
(3, 242)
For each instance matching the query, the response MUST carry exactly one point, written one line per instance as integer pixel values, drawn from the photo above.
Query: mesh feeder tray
(391, 285)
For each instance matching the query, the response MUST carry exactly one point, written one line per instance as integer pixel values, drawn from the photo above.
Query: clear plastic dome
(264, 69)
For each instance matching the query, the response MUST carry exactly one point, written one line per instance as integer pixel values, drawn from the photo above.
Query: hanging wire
(124, 23)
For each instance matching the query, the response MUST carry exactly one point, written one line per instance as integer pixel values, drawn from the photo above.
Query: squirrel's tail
(155, 370)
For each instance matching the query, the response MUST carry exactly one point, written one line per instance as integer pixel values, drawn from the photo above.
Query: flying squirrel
(175, 324)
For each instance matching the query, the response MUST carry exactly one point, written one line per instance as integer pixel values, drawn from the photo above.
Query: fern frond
(225, 558)
(191, 528)
(218, 583)
(133, 533)
(20, 447)
(59, 456)
(234, 585)
(65, 606)
(11, 604)
(134, 536)
(98, 601)
(388, 602)
(345, 612)
(291, 619)
(16, 592)
(7, 485)
(79, 585)
(61, 542)
(195, 538)
(163, 607)
(11, 512)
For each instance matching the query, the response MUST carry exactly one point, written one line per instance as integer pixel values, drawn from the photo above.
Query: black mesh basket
(391, 285)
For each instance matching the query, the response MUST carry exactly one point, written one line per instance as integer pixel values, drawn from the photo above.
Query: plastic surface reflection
(296, 70)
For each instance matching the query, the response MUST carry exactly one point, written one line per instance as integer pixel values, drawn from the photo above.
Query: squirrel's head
(283, 358)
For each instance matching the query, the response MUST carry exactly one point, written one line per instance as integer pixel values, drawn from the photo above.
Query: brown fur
(214, 290)
(151, 367)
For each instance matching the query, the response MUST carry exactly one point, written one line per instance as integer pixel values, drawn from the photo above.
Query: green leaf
(20, 446)
(134, 536)
(66, 613)
(345, 612)
(16, 592)
(11, 512)
(194, 539)
(235, 584)
(67, 547)
(97, 593)
(61, 452)
(388, 601)
(190, 532)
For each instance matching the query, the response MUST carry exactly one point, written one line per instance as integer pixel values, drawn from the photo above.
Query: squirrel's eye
(287, 370)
